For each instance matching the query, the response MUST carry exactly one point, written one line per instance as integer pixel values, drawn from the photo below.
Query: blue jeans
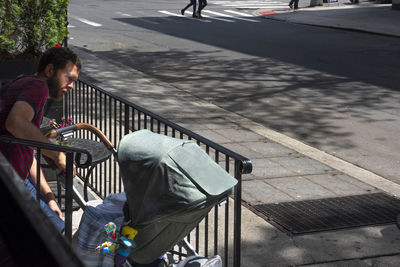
(192, 3)
(58, 222)
(202, 4)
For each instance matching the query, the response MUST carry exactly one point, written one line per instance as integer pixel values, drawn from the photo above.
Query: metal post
(68, 196)
(38, 153)
(237, 216)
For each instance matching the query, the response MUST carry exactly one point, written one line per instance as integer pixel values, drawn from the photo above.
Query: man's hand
(54, 207)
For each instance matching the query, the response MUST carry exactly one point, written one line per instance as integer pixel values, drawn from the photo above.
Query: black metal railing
(69, 151)
(116, 117)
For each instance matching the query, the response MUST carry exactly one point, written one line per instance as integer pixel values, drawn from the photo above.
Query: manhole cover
(301, 217)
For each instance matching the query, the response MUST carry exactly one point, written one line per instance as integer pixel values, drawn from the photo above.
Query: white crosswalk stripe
(238, 13)
(91, 23)
(180, 16)
(275, 6)
(123, 14)
(226, 20)
(228, 16)
(253, 4)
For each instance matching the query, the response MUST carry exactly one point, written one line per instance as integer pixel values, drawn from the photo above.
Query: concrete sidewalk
(284, 169)
(365, 246)
(365, 17)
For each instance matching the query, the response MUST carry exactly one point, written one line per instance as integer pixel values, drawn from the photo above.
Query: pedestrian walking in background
(192, 3)
(202, 4)
(295, 2)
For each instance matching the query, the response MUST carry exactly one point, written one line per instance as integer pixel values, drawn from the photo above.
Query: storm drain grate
(301, 217)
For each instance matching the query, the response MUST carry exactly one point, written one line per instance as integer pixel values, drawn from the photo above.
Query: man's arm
(19, 124)
(45, 189)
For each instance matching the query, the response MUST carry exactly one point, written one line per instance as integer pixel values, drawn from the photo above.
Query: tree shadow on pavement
(299, 80)
(297, 100)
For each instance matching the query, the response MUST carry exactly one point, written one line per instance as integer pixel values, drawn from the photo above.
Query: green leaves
(28, 27)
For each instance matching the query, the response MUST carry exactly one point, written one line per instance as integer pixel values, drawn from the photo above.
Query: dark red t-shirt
(34, 92)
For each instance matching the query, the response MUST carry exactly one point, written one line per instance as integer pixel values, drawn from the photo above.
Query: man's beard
(54, 87)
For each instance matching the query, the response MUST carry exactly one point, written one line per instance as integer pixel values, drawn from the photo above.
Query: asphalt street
(334, 90)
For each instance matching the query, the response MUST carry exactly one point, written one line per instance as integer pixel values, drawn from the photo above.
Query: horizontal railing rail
(116, 117)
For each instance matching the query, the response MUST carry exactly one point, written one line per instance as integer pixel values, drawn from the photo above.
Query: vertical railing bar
(226, 232)
(100, 186)
(88, 109)
(66, 101)
(206, 236)
(216, 230)
(80, 106)
(109, 130)
(115, 143)
(126, 119)
(152, 124)
(68, 196)
(158, 127)
(111, 120)
(91, 110)
(82, 110)
(75, 103)
(88, 119)
(145, 121)
(226, 216)
(100, 119)
(38, 179)
(237, 216)
(165, 129)
(197, 239)
(126, 132)
(65, 104)
(104, 126)
(103, 123)
(96, 174)
(133, 119)
(97, 100)
(139, 120)
(76, 107)
(108, 164)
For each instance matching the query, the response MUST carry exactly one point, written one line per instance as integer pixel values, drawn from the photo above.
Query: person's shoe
(296, 7)
(199, 15)
(195, 15)
(182, 12)
(291, 6)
